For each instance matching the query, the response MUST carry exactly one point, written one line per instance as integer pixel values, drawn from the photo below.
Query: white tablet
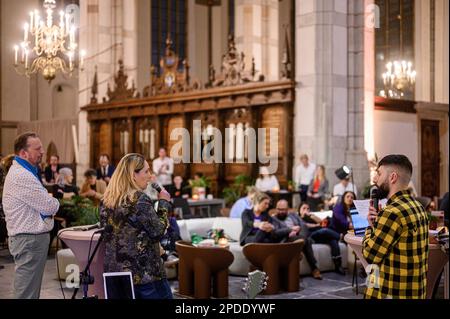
(118, 285)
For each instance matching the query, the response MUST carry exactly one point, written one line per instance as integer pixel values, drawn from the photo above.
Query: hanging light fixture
(48, 47)
(398, 78)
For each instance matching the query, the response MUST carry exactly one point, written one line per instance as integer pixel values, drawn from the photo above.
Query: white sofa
(240, 265)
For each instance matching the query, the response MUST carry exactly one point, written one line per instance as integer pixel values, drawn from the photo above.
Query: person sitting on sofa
(341, 221)
(243, 203)
(292, 228)
(257, 225)
(320, 234)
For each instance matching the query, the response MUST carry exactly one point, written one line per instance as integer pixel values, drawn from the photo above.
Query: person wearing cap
(267, 182)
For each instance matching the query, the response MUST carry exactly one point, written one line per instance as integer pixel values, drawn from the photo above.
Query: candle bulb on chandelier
(16, 54)
(37, 20)
(32, 21)
(67, 23)
(70, 60)
(26, 58)
(26, 28)
(72, 37)
(61, 19)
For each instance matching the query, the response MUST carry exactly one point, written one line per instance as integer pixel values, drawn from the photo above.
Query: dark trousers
(260, 236)
(303, 192)
(329, 237)
(307, 251)
(155, 290)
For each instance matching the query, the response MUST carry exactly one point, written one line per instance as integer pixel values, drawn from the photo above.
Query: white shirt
(267, 183)
(304, 175)
(165, 178)
(24, 200)
(339, 189)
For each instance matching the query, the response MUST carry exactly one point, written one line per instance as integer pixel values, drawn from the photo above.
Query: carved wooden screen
(430, 158)
(234, 119)
(171, 124)
(104, 140)
(276, 117)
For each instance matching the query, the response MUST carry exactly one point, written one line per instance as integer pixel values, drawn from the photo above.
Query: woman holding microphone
(137, 228)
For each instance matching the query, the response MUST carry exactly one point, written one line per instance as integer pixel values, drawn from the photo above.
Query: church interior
(236, 95)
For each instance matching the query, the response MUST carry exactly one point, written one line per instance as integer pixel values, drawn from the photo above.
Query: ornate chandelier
(398, 78)
(51, 48)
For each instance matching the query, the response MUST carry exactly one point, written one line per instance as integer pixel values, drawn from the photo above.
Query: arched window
(168, 17)
(394, 38)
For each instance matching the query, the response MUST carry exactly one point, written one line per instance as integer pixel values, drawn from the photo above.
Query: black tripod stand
(85, 277)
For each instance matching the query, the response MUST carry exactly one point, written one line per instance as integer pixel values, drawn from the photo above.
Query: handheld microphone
(157, 187)
(374, 197)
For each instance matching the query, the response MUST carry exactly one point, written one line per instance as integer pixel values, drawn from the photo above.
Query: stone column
(106, 28)
(257, 35)
(329, 111)
(441, 53)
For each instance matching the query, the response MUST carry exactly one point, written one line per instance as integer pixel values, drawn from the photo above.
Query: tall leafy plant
(237, 190)
(80, 211)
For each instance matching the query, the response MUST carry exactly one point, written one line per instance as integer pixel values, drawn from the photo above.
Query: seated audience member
(322, 235)
(51, 171)
(291, 228)
(341, 221)
(257, 224)
(92, 187)
(318, 189)
(64, 189)
(267, 182)
(344, 186)
(243, 203)
(179, 189)
(106, 170)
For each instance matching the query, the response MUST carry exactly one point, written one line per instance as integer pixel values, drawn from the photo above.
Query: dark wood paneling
(430, 158)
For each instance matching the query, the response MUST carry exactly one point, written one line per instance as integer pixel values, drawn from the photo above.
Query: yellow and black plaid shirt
(397, 248)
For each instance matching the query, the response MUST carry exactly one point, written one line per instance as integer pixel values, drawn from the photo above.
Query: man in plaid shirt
(396, 242)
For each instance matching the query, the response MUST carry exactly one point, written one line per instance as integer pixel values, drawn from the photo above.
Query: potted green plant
(199, 186)
(237, 190)
(80, 211)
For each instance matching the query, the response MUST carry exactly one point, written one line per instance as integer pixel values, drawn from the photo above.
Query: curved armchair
(281, 263)
(199, 266)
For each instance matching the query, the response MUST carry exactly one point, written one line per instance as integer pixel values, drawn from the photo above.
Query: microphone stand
(85, 278)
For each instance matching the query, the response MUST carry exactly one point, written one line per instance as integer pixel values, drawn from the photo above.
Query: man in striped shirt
(29, 211)
(396, 242)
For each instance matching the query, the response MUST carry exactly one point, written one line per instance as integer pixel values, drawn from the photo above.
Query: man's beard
(282, 216)
(383, 190)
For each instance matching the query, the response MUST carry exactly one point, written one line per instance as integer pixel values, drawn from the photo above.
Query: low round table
(78, 242)
(437, 259)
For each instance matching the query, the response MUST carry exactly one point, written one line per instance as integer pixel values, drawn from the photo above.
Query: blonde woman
(133, 245)
(257, 225)
(318, 189)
